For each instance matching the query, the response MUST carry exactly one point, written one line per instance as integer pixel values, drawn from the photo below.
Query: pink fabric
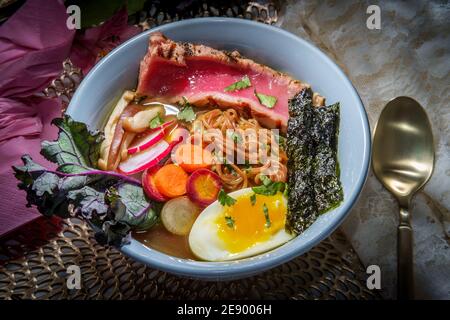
(33, 44)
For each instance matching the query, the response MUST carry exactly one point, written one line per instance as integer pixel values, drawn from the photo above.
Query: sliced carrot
(192, 157)
(203, 186)
(171, 181)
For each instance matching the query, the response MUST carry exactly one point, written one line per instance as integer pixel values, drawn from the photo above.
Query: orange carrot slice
(192, 157)
(203, 186)
(171, 181)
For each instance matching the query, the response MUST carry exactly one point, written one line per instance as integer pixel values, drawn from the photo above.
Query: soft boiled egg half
(252, 225)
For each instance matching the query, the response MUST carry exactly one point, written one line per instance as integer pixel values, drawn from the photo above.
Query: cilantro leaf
(187, 112)
(230, 221)
(266, 215)
(156, 121)
(239, 85)
(253, 199)
(265, 180)
(266, 100)
(269, 187)
(225, 199)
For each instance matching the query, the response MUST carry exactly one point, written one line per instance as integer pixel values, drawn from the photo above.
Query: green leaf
(148, 220)
(225, 199)
(112, 203)
(266, 100)
(46, 184)
(253, 199)
(134, 200)
(88, 200)
(95, 12)
(269, 187)
(75, 145)
(134, 6)
(286, 191)
(98, 11)
(132, 207)
(156, 121)
(187, 112)
(266, 215)
(131, 212)
(239, 85)
(42, 188)
(230, 221)
(265, 180)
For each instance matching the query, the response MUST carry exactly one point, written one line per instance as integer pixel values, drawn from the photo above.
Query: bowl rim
(249, 266)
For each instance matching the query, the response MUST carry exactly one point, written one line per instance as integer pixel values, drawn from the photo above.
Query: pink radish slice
(146, 141)
(164, 126)
(146, 158)
(153, 137)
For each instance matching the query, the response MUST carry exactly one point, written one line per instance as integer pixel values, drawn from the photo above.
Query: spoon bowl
(403, 160)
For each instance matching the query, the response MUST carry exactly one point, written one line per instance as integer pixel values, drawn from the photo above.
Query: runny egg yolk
(244, 224)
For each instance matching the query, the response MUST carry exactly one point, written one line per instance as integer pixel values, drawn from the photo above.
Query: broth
(160, 239)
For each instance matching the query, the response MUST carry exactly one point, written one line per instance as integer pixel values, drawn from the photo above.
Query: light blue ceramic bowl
(266, 44)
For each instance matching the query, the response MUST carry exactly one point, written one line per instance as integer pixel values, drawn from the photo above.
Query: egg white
(206, 244)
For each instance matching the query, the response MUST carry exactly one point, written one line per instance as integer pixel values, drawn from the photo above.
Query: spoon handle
(405, 279)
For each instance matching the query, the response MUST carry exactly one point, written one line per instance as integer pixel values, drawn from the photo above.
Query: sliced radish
(165, 125)
(146, 141)
(150, 139)
(178, 215)
(177, 134)
(147, 158)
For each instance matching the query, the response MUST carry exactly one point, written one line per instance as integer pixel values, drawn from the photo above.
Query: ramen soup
(205, 131)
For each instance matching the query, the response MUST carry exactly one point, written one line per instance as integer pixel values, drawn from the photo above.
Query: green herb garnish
(230, 221)
(266, 215)
(253, 199)
(186, 113)
(247, 166)
(286, 191)
(269, 187)
(239, 85)
(156, 121)
(266, 100)
(281, 141)
(236, 137)
(265, 180)
(225, 199)
(230, 168)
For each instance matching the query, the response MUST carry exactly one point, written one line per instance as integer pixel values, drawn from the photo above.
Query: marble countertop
(409, 55)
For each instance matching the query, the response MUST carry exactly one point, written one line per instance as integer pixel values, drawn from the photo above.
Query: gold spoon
(403, 160)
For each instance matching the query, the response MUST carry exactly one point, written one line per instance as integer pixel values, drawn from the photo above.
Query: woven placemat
(34, 259)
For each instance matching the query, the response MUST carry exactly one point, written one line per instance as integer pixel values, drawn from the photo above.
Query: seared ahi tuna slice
(171, 70)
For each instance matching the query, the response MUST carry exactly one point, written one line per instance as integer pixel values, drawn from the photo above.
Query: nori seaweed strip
(313, 171)
(327, 186)
(300, 151)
